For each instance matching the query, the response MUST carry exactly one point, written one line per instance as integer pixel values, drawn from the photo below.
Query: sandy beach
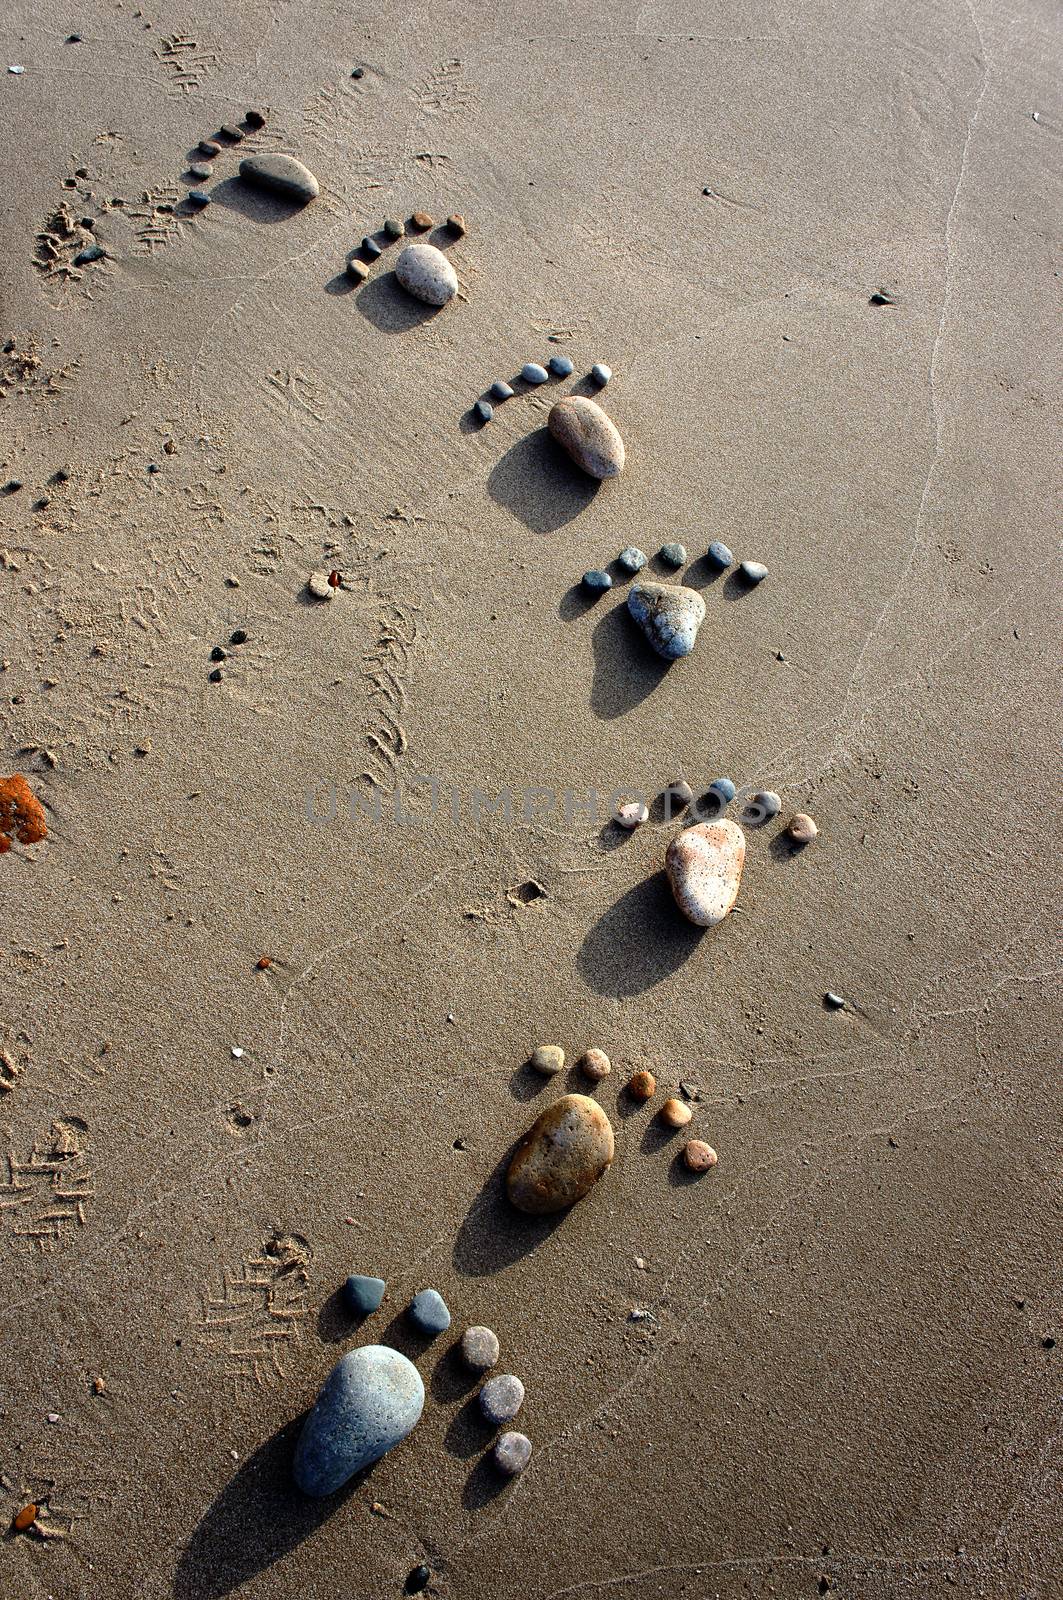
(321, 873)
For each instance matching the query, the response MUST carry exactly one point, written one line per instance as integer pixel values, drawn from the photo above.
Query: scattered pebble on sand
(642, 1085)
(832, 1001)
(370, 1401)
(238, 636)
(547, 1059)
(760, 808)
(719, 554)
(236, 1052)
(426, 273)
(565, 1151)
(501, 1398)
(675, 1113)
(591, 438)
(419, 1579)
(254, 119)
(501, 390)
(281, 174)
(215, 676)
(532, 372)
(669, 615)
(594, 1064)
(673, 554)
(363, 1294)
(597, 581)
(484, 410)
(698, 1155)
(198, 197)
(704, 866)
(631, 815)
(512, 1453)
(28, 1516)
(479, 1349)
(22, 816)
(631, 558)
(428, 1312)
(560, 366)
(91, 252)
(753, 571)
(801, 828)
(601, 373)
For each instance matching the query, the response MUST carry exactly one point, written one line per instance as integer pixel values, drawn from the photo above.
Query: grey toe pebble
(753, 571)
(479, 1349)
(512, 1453)
(501, 1398)
(596, 581)
(532, 372)
(631, 559)
(484, 410)
(501, 390)
(371, 248)
(674, 554)
(560, 366)
(428, 1312)
(601, 373)
(720, 554)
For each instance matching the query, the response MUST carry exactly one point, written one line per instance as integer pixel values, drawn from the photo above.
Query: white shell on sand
(591, 438)
(704, 866)
(426, 273)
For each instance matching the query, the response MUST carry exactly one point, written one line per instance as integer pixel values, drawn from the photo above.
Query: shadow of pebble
(258, 205)
(494, 1234)
(576, 602)
(342, 283)
(451, 1378)
(701, 573)
(401, 1335)
(657, 1135)
(484, 1484)
(783, 848)
(680, 1175)
(468, 1432)
(539, 485)
(626, 668)
(526, 1083)
(638, 942)
(336, 1320)
(258, 1519)
(385, 303)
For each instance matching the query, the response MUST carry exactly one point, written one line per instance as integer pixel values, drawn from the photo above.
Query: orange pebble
(334, 580)
(26, 1518)
(263, 963)
(21, 813)
(642, 1086)
(676, 1113)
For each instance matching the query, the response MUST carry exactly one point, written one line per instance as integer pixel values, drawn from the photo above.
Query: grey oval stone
(512, 1453)
(674, 554)
(591, 438)
(282, 174)
(565, 1151)
(753, 571)
(371, 1400)
(596, 581)
(426, 273)
(363, 1294)
(501, 390)
(560, 366)
(428, 1311)
(669, 614)
(532, 372)
(720, 554)
(501, 1398)
(484, 410)
(479, 1349)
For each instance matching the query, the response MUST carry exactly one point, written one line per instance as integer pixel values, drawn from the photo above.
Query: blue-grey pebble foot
(673, 554)
(428, 1311)
(532, 372)
(560, 366)
(501, 1398)
(484, 410)
(631, 558)
(753, 571)
(371, 1400)
(720, 554)
(363, 1294)
(596, 581)
(601, 373)
(501, 390)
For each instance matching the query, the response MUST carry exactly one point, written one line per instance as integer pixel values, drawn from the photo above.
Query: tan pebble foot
(675, 1113)
(699, 1156)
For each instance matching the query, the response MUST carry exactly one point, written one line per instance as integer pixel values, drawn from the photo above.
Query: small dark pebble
(1048, 1343)
(501, 390)
(209, 148)
(215, 676)
(596, 581)
(358, 72)
(61, 474)
(199, 169)
(198, 197)
(420, 1577)
(484, 410)
(235, 134)
(88, 223)
(91, 252)
(73, 38)
(371, 248)
(12, 486)
(153, 466)
(42, 504)
(239, 637)
(881, 298)
(218, 654)
(456, 223)
(394, 228)
(254, 119)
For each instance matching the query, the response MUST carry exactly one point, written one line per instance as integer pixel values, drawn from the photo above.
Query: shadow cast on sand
(384, 302)
(626, 668)
(538, 483)
(494, 1234)
(258, 205)
(257, 1520)
(638, 942)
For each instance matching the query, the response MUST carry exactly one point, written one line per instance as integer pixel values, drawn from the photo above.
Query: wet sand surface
(847, 1380)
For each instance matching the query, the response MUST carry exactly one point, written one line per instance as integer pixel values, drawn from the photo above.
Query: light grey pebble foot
(512, 1453)
(501, 1398)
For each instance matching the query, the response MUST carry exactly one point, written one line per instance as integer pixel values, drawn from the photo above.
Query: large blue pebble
(363, 1294)
(596, 581)
(428, 1311)
(719, 553)
(532, 372)
(669, 615)
(372, 1399)
(560, 366)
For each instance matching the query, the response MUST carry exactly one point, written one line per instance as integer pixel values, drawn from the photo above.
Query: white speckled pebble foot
(704, 866)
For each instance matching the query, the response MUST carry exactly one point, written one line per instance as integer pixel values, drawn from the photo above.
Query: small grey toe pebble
(512, 1453)
(479, 1349)
(501, 1398)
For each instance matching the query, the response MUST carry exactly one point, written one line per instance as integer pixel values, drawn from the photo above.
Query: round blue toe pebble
(501, 390)
(532, 372)
(674, 554)
(428, 1311)
(632, 559)
(601, 373)
(363, 1294)
(484, 410)
(560, 366)
(719, 553)
(596, 581)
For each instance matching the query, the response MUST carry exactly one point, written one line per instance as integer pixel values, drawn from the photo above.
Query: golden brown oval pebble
(594, 1064)
(547, 1059)
(422, 220)
(699, 1156)
(590, 437)
(26, 1518)
(642, 1086)
(561, 1157)
(676, 1113)
(456, 223)
(801, 828)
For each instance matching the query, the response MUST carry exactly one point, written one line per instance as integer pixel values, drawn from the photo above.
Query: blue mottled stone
(532, 372)
(484, 410)
(501, 390)
(428, 1311)
(723, 790)
(631, 558)
(198, 197)
(371, 1400)
(363, 1294)
(719, 553)
(674, 554)
(560, 366)
(596, 581)
(669, 615)
(601, 373)
(371, 248)
(753, 571)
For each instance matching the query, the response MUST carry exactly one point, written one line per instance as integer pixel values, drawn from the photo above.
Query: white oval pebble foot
(704, 866)
(426, 273)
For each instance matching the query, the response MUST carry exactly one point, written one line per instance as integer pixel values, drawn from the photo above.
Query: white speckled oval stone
(426, 273)
(582, 428)
(704, 866)
(283, 174)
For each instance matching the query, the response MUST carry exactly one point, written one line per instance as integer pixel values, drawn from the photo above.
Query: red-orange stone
(643, 1086)
(21, 813)
(26, 1518)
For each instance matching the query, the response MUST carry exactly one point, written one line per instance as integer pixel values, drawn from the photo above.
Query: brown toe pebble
(642, 1086)
(594, 1064)
(801, 828)
(699, 1156)
(676, 1113)
(26, 1518)
(422, 220)
(456, 223)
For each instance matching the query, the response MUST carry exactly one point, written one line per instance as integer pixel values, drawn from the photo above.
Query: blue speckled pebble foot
(371, 1400)
(674, 554)
(560, 366)
(532, 372)
(501, 390)
(631, 558)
